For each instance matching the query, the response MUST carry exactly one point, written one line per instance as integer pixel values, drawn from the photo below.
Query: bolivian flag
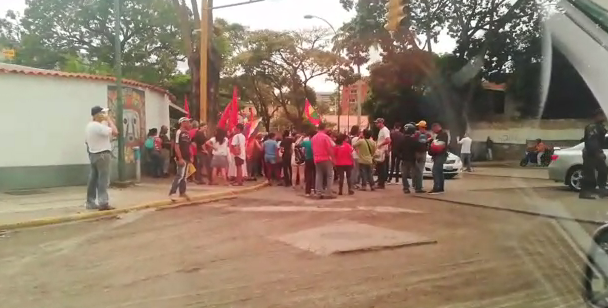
(311, 114)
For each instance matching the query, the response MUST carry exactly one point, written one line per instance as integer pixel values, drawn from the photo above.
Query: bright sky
(278, 15)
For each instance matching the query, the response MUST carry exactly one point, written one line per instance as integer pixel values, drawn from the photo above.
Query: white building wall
(43, 117)
(157, 109)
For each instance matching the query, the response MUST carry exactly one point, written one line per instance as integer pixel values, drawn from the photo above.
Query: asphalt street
(235, 254)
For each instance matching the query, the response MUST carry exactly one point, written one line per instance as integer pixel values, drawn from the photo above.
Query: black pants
(156, 164)
(286, 165)
(591, 164)
(309, 175)
(395, 167)
(344, 171)
(382, 170)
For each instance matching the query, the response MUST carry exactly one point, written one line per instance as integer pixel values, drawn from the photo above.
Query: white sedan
(451, 168)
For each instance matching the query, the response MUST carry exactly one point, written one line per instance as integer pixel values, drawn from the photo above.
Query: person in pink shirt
(323, 154)
(343, 152)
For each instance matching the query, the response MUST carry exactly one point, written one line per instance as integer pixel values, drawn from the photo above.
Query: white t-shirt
(98, 137)
(466, 145)
(382, 135)
(219, 149)
(240, 141)
(353, 141)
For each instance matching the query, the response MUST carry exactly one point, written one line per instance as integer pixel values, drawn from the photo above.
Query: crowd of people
(321, 157)
(313, 160)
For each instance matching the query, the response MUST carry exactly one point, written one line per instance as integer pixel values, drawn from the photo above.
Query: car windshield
(303, 153)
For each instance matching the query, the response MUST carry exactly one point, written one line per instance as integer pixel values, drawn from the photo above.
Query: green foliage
(279, 65)
(179, 85)
(79, 35)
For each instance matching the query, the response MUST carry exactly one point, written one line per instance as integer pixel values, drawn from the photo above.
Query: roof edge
(24, 70)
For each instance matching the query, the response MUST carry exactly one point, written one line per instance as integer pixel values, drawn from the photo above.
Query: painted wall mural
(133, 120)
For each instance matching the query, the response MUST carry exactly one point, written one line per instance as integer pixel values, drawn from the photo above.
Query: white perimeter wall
(43, 117)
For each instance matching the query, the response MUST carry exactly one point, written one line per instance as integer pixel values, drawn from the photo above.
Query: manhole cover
(346, 236)
(26, 192)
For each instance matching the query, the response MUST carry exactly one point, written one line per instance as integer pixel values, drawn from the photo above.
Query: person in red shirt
(343, 153)
(192, 133)
(323, 154)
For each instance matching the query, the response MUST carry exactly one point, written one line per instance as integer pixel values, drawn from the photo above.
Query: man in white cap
(98, 136)
(183, 157)
(381, 156)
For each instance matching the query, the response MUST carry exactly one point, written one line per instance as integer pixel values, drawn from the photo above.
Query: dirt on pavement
(214, 256)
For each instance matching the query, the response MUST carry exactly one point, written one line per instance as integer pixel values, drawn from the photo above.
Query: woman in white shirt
(219, 149)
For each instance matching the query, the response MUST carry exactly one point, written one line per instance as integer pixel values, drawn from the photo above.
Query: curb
(531, 213)
(160, 205)
(506, 176)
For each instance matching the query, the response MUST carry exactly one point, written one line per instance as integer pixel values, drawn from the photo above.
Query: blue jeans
(438, 176)
(99, 180)
(324, 171)
(180, 180)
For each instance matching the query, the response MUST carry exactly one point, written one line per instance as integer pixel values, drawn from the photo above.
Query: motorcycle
(531, 158)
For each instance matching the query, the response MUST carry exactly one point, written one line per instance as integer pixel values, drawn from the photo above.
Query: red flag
(311, 114)
(234, 113)
(227, 115)
(186, 107)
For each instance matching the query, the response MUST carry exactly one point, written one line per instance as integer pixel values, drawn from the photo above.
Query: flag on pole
(311, 114)
(252, 128)
(186, 107)
(226, 117)
(234, 113)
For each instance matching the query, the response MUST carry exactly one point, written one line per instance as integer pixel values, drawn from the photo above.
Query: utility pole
(204, 54)
(119, 102)
(205, 29)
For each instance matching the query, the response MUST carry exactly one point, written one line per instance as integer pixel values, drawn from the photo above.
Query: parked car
(567, 166)
(451, 168)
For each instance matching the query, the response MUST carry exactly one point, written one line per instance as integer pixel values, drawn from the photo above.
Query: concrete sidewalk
(21, 206)
(549, 201)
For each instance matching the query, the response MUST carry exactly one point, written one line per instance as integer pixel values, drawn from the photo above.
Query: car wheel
(574, 178)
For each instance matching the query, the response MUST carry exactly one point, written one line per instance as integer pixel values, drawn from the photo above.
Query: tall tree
(287, 61)
(148, 34)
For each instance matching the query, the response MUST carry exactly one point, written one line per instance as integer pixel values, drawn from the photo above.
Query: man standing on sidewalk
(183, 158)
(203, 158)
(408, 147)
(384, 141)
(165, 151)
(465, 151)
(439, 152)
(423, 137)
(323, 153)
(98, 136)
(396, 138)
(238, 147)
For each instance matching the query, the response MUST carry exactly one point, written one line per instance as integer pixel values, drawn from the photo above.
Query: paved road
(227, 255)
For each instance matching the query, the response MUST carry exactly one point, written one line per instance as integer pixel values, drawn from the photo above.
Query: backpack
(149, 144)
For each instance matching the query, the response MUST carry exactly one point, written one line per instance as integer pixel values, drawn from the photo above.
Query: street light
(308, 16)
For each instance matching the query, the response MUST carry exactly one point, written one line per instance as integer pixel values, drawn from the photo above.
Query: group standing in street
(314, 160)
